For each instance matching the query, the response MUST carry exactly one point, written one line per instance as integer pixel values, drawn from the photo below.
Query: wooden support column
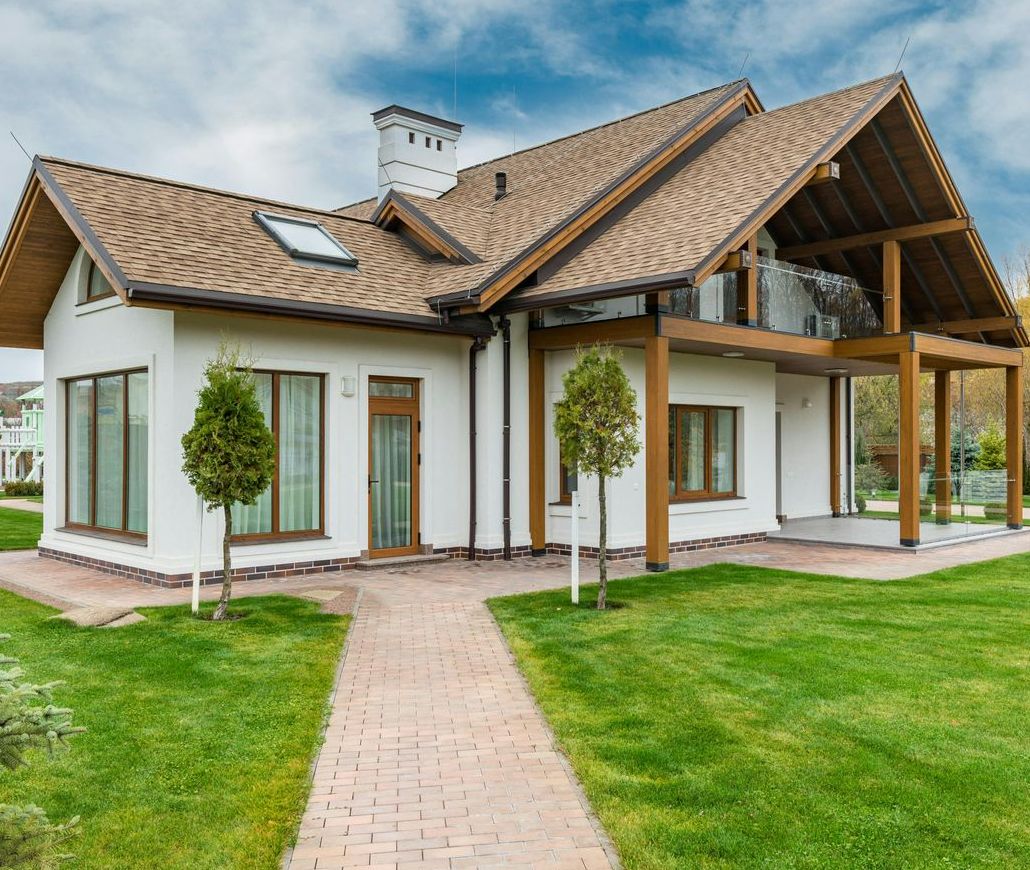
(1014, 444)
(891, 287)
(537, 453)
(747, 287)
(908, 460)
(835, 479)
(942, 444)
(656, 451)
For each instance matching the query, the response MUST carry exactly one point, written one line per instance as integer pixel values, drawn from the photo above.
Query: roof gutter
(142, 293)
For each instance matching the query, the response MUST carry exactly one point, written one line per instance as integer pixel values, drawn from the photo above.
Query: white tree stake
(575, 546)
(196, 555)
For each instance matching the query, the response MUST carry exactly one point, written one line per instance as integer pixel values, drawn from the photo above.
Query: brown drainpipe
(477, 345)
(505, 325)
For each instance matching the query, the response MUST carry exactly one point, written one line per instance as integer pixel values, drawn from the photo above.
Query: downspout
(850, 447)
(477, 345)
(505, 325)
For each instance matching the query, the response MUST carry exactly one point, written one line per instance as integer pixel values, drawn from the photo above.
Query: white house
(409, 348)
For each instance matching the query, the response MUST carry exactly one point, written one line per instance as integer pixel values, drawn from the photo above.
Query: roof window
(305, 239)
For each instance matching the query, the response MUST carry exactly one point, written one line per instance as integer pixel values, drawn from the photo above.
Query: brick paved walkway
(435, 754)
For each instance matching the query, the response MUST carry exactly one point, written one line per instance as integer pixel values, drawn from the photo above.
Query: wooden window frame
(676, 413)
(91, 528)
(564, 496)
(276, 536)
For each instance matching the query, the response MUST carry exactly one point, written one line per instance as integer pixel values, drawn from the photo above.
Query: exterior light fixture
(348, 385)
(836, 372)
(806, 403)
(733, 354)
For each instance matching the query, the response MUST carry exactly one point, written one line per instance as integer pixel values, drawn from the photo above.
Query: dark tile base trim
(207, 578)
(639, 552)
(492, 555)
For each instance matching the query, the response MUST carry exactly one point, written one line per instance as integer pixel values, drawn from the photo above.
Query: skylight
(305, 240)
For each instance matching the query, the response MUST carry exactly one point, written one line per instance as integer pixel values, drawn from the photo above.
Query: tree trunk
(602, 542)
(223, 602)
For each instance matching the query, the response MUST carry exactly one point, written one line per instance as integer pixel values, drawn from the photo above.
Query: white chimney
(416, 152)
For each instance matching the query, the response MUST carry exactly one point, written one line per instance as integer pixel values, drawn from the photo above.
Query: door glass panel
(391, 390)
(80, 450)
(723, 449)
(692, 449)
(672, 451)
(110, 449)
(391, 486)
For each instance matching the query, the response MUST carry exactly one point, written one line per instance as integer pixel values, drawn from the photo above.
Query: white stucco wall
(743, 384)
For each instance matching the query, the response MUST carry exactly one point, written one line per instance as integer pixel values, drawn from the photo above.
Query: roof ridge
(854, 87)
(185, 185)
(611, 123)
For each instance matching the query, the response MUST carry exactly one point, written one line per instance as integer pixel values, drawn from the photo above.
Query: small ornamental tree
(992, 449)
(596, 422)
(29, 720)
(229, 454)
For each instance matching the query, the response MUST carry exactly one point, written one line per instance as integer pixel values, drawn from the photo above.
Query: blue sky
(274, 98)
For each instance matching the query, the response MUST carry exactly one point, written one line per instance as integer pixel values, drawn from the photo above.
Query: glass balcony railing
(806, 301)
(715, 300)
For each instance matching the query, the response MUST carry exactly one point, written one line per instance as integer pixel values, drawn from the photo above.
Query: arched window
(97, 286)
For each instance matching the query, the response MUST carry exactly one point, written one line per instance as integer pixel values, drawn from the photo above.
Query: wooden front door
(393, 463)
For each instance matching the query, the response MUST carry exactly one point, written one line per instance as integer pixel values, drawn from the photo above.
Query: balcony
(791, 299)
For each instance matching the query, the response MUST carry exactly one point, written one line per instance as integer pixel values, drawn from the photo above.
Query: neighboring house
(21, 440)
(409, 348)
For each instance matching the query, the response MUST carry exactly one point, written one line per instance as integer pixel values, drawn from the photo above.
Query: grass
(893, 496)
(739, 716)
(19, 530)
(36, 498)
(200, 734)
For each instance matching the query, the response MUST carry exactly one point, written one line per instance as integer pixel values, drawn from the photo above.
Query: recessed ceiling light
(734, 353)
(836, 371)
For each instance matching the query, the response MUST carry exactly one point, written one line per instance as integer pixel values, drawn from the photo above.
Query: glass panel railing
(714, 300)
(601, 309)
(805, 301)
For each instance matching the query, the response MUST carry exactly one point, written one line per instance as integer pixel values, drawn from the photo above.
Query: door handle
(370, 482)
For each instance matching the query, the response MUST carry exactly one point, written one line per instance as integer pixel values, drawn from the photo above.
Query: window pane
(299, 452)
(139, 414)
(390, 390)
(692, 449)
(391, 481)
(98, 284)
(308, 238)
(80, 450)
(723, 450)
(255, 519)
(110, 450)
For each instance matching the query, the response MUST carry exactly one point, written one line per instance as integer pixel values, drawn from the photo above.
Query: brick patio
(436, 755)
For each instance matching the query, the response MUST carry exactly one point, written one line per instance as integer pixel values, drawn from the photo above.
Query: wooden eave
(505, 279)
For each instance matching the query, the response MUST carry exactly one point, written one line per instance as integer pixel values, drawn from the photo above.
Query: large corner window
(107, 425)
(305, 240)
(293, 405)
(702, 452)
(97, 286)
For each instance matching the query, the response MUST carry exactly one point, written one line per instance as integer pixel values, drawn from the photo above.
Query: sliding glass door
(393, 462)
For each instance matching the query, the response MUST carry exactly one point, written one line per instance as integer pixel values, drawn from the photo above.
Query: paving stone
(90, 617)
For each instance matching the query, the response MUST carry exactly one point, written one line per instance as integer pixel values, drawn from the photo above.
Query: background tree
(992, 449)
(596, 422)
(29, 720)
(229, 454)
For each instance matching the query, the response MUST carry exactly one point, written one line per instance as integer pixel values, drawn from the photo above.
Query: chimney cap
(416, 116)
(500, 185)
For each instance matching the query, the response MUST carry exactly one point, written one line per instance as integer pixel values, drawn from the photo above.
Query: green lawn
(956, 518)
(893, 496)
(19, 530)
(739, 716)
(200, 734)
(36, 498)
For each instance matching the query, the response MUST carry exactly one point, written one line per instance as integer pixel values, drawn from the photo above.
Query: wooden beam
(611, 331)
(1014, 445)
(865, 240)
(891, 287)
(966, 354)
(908, 447)
(537, 453)
(835, 476)
(656, 452)
(737, 261)
(942, 444)
(964, 327)
(747, 287)
(828, 171)
(735, 337)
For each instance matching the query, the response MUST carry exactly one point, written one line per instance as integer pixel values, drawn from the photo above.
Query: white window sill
(99, 305)
(708, 507)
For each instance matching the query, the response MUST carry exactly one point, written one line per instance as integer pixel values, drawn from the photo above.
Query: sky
(273, 99)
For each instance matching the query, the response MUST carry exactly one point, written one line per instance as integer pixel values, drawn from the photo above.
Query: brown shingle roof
(675, 228)
(162, 232)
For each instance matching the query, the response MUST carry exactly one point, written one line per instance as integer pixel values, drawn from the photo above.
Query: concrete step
(399, 562)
